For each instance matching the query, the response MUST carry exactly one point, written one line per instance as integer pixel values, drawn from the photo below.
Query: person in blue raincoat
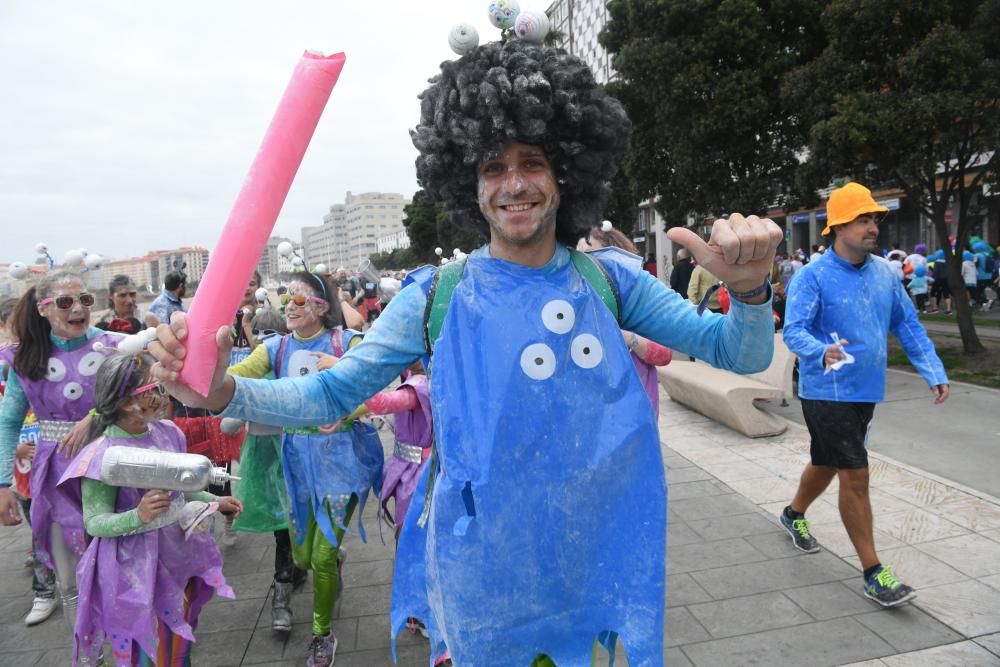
(840, 310)
(541, 523)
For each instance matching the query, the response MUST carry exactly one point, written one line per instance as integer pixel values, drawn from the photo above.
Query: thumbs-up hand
(740, 251)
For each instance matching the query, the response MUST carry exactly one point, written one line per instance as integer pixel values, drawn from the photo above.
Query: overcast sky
(129, 126)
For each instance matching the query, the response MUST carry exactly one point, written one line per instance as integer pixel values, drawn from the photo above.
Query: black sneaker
(883, 587)
(322, 651)
(799, 530)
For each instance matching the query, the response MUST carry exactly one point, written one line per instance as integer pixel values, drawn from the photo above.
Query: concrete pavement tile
(915, 526)
(689, 474)
(680, 533)
(819, 512)
(17, 636)
(220, 649)
(926, 492)
(722, 434)
(729, 472)
(682, 628)
(707, 555)
(758, 451)
(831, 600)
(365, 573)
(682, 590)
(266, 646)
(973, 513)
(993, 534)
(789, 466)
(59, 658)
(248, 586)
(971, 607)
(687, 444)
(754, 613)
(365, 600)
(962, 654)
(241, 559)
(993, 580)
(16, 583)
(773, 575)
(833, 536)
(973, 555)
(711, 506)
(883, 475)
(235, 615)
(13, 610)
(374, 550)
(866, 663)
(740, 525)
(914, 567)
(696, 489)
(774, 545)
(673, 461)
(908, 628)
(409, 656)
(990, 642)
(883, 502)
(824, 643)
(674, 657)
(714, 455)
(765, 489)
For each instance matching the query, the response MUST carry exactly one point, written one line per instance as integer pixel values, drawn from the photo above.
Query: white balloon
(285, 249)
(41, 248)
(503, 13)
(320, 268)
(438, 251)
(83, 251)
(72, 258)
(18, 270)
(93, 262)
(463, 38)
(532, 26)
(260, 294)
(454, 253)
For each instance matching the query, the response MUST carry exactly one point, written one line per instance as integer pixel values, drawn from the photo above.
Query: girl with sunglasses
(142, 585)
(54, 365)
(328, 471)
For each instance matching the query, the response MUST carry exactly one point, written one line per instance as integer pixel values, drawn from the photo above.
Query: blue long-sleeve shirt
(861, 304)
(742, 341)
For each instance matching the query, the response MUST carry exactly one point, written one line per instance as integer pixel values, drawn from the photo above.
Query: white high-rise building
(349, 231)
(581, 21)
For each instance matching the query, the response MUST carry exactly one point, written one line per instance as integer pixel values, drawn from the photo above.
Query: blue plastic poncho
(547, 522)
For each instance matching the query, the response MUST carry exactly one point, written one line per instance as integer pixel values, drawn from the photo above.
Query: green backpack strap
(595, 274)
(438, 298)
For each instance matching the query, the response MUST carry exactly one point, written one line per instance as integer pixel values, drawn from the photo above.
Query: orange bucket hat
(847, 203)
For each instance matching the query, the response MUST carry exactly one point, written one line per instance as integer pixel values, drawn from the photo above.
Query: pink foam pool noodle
(256, 209)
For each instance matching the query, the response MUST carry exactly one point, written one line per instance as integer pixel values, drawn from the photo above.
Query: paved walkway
(738, 593)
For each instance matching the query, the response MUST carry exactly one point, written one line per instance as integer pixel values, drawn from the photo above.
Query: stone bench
(729, 397)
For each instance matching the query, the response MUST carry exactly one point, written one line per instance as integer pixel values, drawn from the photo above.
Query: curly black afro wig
(526, 93)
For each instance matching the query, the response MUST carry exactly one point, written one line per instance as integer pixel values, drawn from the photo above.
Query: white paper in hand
(848, 357)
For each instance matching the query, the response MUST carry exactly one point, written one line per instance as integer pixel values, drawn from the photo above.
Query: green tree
(700, 79)
(906, 93)
(428, 227)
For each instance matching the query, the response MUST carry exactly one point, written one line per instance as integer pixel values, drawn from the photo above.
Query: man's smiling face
(518, 194)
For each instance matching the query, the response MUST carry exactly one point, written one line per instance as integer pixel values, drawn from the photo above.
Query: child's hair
(31, 330)
(612, 238)
(116, 379)
(268, 318)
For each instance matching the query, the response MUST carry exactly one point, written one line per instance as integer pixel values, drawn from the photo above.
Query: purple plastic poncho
(65, 394)
(129, 584)
(416, 429)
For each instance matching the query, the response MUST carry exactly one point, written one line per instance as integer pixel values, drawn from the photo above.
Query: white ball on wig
(532, 26)
(93, 262)
(438, 251)
(606, 226)
(320, 268)
(73, 258)
(285, 249)
(463, 38)
(503, 13)
(18, 270)
(260, 295)
(41, 248)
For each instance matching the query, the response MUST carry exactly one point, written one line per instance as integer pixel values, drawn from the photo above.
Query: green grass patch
(980, 369)
(950, 319)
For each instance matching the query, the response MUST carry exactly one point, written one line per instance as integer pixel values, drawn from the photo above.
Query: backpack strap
(279, 355)
(595, 274)
(438, 298)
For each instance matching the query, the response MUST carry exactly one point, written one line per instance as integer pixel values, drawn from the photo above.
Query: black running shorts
(838, 432)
